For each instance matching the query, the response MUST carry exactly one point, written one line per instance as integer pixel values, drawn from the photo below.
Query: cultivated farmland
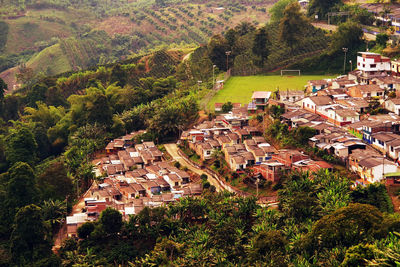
(239, 89)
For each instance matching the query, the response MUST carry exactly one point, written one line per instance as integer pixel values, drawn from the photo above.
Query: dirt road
(330, 27)
(172, 149)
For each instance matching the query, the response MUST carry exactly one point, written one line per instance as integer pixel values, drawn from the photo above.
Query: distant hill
(62, 35)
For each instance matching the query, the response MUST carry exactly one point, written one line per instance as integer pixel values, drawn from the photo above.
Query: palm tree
(54, 212)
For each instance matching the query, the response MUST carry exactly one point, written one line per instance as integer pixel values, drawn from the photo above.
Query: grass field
(239, 89)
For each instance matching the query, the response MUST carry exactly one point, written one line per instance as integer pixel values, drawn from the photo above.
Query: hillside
(42, 28)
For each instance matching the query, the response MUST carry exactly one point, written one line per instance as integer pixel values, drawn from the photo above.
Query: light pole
(213, 81)
(227, 53)
(351, 65)
(198, 85)
(345, 49)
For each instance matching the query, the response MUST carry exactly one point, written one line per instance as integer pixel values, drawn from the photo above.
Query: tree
(3, 89)
(111, 220)
(20, 145)
(244, 28)
(381, 39)
(358, 255)
(277, 9)
(291, 26)
(348, 35)
(260, 45)
(322, 7)
(346, 227)
(226, 107)
(85, 230)
(373, 194)
(216, 51)
(54, 212)
(268, 245)
(21, 187)
(28, 239)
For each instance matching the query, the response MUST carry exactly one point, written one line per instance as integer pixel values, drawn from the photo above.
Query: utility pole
(213, 81)
(198, 85)
(345, 50)
(227, 53)
(351, 65)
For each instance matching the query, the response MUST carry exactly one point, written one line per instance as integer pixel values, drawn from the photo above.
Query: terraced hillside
(53, 36)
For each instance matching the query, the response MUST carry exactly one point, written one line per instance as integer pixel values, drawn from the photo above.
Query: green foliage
(348, 35)
(358, 255)
(28, 238)
(3, 35)
(322, 7)
(261, 45)
(85, 230)
(277, 9)
(346, 226)
(111, 220)
(381, 39)
(373, 194)
(292, 25)
(20, 145)
(226, 107)
(21, 187)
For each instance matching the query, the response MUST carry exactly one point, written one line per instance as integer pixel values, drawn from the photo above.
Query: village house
(387, 82)
(366, 91)
(260, 99)
(313, 103)
(359, 105)
(380, 140)
(333, 93)
(342, 83)
(374, 169)
(271, 170)
(341, 117)
(372, 65)
(288, 157)
(393, 105)
(308, 165)
(316, 85)
(291, 96)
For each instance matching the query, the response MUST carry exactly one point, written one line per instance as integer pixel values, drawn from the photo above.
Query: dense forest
(51, 128)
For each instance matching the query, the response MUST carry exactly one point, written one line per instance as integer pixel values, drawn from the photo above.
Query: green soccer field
(240, 89)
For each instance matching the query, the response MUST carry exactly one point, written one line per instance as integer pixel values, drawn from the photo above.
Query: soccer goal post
(290, 71)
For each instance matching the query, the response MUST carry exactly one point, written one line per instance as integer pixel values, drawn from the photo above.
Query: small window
(373, 65)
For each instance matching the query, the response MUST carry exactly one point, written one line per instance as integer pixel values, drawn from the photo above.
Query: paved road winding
(172, 149)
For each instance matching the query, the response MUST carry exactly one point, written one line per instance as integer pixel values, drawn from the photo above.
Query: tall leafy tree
(21, 187)
(29, 242)
(216, 51)
(260, 45)
(3, 89)
(291, 26)
(322, 7)
(20, 145)
(54, 182)
(277, 9)
(111, 220)
(348, 35)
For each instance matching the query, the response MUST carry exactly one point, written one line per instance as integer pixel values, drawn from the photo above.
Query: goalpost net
(298, 72)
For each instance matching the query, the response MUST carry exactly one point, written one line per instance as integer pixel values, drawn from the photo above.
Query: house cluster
(337, 109)
(381, 14)
(136, 176)
(361, 145)
(243, 146)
